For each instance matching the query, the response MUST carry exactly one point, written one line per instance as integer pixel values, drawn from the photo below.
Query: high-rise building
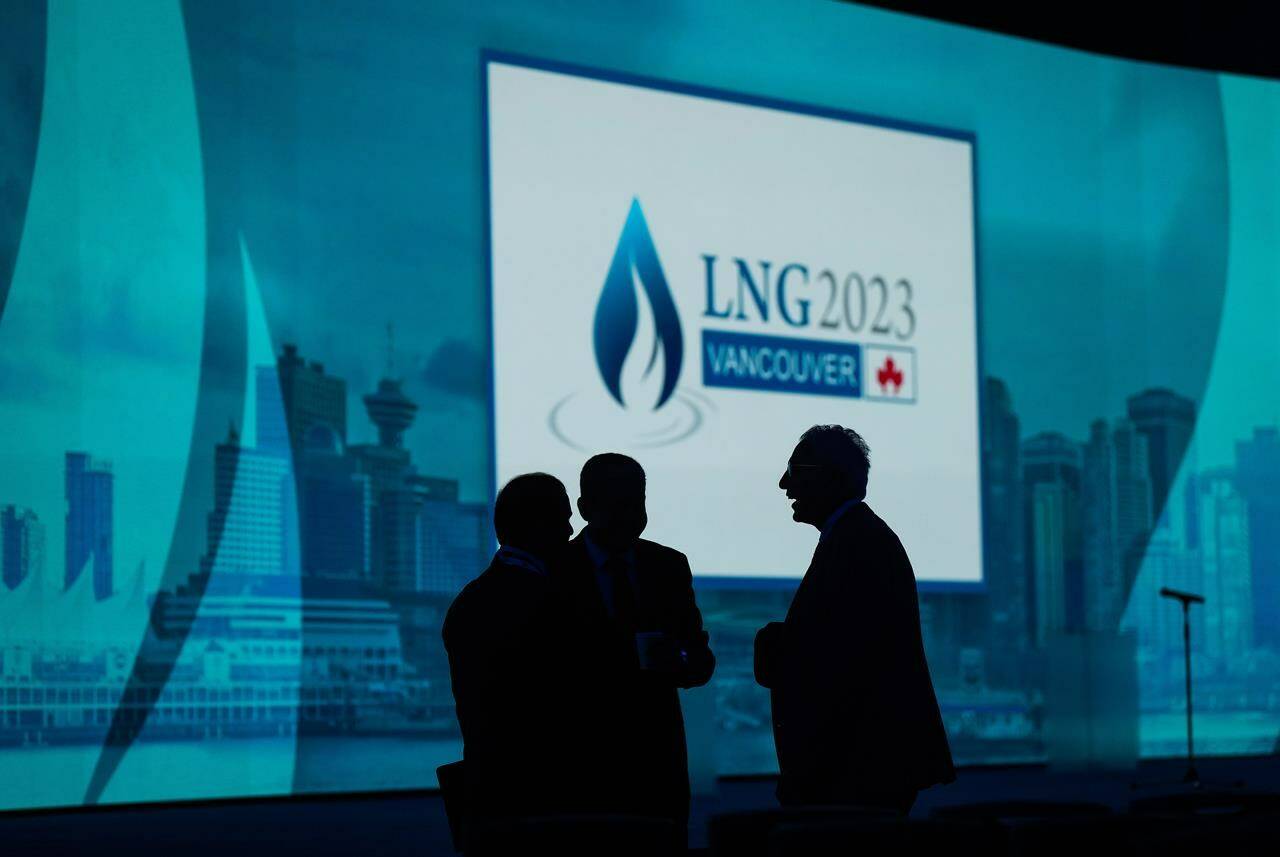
(1167, 421)
(401, 542)
(1051, 485)
(1103, 587)
(1116, 494)
(391, 411)
(1257, 475)
(387, 467)
(21, 546)
(249, 526)
(456, 539)
(307, 397)
(1158, 620)
(1003, 533)
(335, 510)
(399, 539)
(387, 462)
(89, 534)
(1131, 504)
(1227, 578)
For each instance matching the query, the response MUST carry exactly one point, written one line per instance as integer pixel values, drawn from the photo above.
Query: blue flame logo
(617, 314)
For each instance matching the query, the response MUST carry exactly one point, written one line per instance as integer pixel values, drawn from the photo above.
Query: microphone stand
(1186, 599)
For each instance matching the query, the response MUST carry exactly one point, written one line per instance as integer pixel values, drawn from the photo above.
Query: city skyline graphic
(358, 555)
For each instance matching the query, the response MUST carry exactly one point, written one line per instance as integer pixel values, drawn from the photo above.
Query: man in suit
(504, 635)
(638, 637)
(855, 716)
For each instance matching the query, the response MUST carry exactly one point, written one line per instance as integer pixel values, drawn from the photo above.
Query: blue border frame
(490, 56)
(486, 248)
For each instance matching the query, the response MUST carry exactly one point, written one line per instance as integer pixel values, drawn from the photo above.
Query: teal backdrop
(232, 234)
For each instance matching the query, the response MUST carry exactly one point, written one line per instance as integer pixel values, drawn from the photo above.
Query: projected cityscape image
(315, 285)
(317, 606)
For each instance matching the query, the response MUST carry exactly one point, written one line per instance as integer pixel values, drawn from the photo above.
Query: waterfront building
(251, 657)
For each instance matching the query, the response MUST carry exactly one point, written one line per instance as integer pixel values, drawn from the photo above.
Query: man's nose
(782, 483)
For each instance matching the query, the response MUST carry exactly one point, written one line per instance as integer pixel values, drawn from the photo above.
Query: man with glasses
(855, 716)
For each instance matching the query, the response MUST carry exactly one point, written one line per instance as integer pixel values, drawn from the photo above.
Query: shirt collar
(837, 515)
(521, 559)
(599, 556)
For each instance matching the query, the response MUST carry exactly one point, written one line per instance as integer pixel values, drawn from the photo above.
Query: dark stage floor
(413, 822)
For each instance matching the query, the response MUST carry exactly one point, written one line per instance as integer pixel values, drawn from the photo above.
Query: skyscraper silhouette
(1257, 475)
(1051, 472)
(335, 511)
(452, 535)
(248, 525)
(1116, 491)
(21, 545)
(1166, 420)
(1103, 586)
(89, 493)
(1228, 577)
(308, 397)
(397, 547)
(1003, 532)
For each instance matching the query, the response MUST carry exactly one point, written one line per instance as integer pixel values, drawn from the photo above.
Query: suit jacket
(630, 744)
(854, 710)
(504, 635)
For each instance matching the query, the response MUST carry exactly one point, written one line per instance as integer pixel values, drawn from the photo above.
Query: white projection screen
(694, 277)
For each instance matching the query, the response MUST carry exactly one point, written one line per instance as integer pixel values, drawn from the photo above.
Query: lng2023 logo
(618, 316)
(642, 383)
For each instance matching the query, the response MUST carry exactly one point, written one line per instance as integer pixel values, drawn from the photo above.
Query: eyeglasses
(792, 467)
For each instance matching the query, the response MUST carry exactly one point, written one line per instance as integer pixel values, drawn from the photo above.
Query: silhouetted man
(638, 637)
(855, 719)
(508, 660)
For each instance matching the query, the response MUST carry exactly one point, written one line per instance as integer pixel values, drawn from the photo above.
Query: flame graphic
(617, 314)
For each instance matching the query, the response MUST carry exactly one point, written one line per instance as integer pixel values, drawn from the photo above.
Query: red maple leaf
(888, 374)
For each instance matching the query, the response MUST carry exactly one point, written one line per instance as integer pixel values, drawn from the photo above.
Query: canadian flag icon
(889, 373)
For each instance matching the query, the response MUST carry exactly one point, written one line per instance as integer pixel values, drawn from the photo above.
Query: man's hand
(659, 652)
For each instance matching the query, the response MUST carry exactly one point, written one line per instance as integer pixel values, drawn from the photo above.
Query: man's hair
(524, 504)
(845, 451)
(606, 468)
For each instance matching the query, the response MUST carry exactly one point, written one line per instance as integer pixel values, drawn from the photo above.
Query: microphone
(1184, 597)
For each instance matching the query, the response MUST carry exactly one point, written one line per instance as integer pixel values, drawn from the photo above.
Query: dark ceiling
(1239, 37)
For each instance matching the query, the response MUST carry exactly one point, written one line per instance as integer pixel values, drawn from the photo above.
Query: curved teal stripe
(21, 73)
(1245, 372)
